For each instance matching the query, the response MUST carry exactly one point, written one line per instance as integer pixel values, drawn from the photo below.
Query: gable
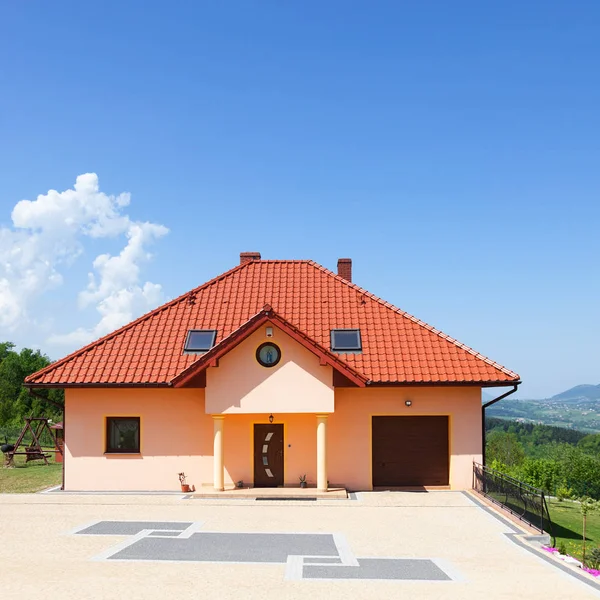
(297, 383)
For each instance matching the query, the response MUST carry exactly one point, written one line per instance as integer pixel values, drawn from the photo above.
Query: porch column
(219, 471)
(322, 452)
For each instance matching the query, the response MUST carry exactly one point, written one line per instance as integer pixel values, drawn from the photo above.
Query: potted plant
(184, 486)
(303, 481)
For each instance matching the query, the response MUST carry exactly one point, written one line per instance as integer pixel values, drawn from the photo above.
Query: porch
(274, 448)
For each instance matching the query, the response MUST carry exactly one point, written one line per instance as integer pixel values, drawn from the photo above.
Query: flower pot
(185, 488)
(303, 484)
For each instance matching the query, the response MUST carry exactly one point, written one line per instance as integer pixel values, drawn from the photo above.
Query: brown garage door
(410, 451)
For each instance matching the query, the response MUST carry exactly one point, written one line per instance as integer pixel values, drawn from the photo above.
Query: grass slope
(30, 477)
(568, 527)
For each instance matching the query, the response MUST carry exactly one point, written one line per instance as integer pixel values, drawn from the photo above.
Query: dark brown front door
(268, 455)
(410, 451)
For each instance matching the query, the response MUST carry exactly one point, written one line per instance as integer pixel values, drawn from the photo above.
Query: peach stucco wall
(298, 384)
(176, 435)
(349, 441)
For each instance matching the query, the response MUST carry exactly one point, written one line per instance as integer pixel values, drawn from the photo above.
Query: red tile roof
(397, 347)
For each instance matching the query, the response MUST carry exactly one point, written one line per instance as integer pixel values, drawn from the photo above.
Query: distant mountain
(577, 408)
(579, 392)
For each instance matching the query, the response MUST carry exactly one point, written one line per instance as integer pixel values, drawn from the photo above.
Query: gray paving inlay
(230, 547)
(130, 527)
(380, 568)
(306, 555)
(321, 559)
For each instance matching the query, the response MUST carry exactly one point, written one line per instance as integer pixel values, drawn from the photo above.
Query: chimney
(345, 268)
(248, 257)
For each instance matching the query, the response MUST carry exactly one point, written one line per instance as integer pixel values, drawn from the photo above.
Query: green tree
(15, 400)
(590, 444)
(586, 505)
(578, 470)
(541, 473)
(504, 448)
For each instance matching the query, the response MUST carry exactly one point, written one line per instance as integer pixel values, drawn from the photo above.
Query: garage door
(410, 451)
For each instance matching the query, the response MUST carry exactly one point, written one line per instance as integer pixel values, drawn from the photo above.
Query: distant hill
(580, 392)
(576, 408)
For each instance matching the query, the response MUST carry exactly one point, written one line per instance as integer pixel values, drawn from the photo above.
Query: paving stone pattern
(230, 547)
(380, 568)
(307, 555)
(130, 527)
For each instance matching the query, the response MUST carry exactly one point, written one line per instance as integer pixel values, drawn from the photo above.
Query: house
(273, 370)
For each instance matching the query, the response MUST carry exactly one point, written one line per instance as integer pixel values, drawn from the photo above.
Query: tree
(586, 505)
(15, 400)
(504, 448)
(590, 444)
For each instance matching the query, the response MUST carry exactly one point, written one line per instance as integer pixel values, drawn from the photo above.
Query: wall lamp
(408, 402)
(271, 417)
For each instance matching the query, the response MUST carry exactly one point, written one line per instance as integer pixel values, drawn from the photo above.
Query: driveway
(379, 545)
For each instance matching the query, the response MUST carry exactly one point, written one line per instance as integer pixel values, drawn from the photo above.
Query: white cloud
(117, 309)
(118, 272)
(47, 236)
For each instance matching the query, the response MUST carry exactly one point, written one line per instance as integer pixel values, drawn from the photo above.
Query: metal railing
(521, 499)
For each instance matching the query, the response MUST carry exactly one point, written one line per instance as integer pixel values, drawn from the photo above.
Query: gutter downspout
(62, 407)
(483, 407)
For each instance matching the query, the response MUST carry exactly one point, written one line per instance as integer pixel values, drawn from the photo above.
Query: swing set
(32, 449)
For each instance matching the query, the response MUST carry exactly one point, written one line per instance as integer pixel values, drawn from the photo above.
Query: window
(346, 340)
(268, 354)
(200, 340)
(123, 434)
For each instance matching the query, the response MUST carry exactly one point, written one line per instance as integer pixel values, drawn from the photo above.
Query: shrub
(593, 560)
(540, 473)
(563, 493)
(562, 548)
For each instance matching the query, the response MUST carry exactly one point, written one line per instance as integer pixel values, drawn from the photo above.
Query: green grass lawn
(29, 477)
(567, 523)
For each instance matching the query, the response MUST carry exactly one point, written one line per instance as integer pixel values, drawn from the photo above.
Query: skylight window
(199, 340)
(346, 340)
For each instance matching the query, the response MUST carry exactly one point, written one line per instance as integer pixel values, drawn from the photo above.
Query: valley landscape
(576, 408)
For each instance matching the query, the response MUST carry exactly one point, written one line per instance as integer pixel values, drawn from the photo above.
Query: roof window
(199, 340)
(346, 340)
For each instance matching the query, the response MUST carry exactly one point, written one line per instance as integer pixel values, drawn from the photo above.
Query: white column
(219, 470)
(322, 452)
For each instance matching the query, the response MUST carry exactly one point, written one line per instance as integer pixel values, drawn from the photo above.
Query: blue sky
(450, 149)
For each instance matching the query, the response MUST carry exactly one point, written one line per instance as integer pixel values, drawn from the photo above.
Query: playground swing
(33, 449)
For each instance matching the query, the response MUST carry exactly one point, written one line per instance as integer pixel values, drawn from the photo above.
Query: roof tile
(397, 347)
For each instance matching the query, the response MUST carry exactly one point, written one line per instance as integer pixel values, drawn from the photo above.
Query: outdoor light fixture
(408, 402)
(271, 417)
(269, 332)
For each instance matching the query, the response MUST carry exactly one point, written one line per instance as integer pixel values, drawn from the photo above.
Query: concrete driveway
(380, 545)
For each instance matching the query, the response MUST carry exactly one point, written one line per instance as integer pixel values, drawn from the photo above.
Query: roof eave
(65, 385)
(502, 383)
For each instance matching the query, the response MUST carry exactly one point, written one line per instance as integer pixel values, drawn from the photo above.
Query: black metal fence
(522, 500)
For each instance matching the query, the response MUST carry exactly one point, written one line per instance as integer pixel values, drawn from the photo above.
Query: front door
(268, 455)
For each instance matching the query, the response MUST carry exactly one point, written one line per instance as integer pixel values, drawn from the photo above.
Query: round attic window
(268, 354)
